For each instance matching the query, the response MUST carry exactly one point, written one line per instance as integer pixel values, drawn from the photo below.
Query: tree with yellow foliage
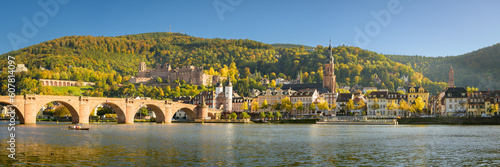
(403, 106)
(418, 106)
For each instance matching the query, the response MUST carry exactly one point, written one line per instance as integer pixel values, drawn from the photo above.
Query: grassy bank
(75, 90)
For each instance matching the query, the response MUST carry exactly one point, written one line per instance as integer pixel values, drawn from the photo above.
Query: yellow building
(479, 102)
(273, 96)
(476, 104)
(415, 92)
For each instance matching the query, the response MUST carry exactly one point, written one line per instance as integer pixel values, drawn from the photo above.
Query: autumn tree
(312, 107)
(349, 105)
(270, 115)
(286, 104)
(323, 105)
(403, 106)
(343, 91)
(61, 111)
(278, 115)
(493, 108)
(418, 106)
(246, 72)
(244, 106)
(233, 116)
(471, 89)
(264, 105)
(245, 115)
(143, 111)
(392, 106)
(272, 84)
(299, 106)
(262, 115)
(361, 105)
(255, 106)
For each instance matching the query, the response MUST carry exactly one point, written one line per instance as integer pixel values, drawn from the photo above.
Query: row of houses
(453, 100)
(456, 100)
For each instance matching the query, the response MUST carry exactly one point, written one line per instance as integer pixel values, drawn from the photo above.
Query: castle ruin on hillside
(191, 74)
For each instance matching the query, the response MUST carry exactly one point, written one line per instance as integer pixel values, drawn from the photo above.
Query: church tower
(451, 80)
(142, 66)
(329, 78)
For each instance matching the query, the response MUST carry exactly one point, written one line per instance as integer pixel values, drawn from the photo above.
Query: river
(187, 144)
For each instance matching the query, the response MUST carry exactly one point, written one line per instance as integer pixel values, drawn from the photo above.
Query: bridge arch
(211, 115)
(120, 113)
(19, 115)
(160, 114)
(74, 113)
(190, 112)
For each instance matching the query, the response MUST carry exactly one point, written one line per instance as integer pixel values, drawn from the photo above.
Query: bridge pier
(129, 113)
(84, 113)
(30, 110)
(168, 114)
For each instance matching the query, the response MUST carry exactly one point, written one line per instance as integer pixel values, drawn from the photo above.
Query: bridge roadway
(80, 107)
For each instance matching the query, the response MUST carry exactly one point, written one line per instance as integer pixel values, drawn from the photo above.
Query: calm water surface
(185, 144)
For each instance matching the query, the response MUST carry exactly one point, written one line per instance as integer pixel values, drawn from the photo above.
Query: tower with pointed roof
(329, 78)
(228, 93)
(451, 80)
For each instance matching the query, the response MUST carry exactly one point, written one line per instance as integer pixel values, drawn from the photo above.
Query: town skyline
(250, 83)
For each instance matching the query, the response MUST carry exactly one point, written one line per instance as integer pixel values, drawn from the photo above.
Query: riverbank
(359, 123)
(290, 121)
(452, 120)
(220, 121)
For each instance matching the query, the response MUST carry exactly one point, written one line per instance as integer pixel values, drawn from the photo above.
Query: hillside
(475, 69)
(109, 61)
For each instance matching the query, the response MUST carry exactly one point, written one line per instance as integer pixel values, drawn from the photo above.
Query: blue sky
(416, 27)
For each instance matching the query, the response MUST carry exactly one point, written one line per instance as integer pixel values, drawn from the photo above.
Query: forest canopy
(111, 61)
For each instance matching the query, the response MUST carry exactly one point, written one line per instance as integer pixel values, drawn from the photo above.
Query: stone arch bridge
(80, 107)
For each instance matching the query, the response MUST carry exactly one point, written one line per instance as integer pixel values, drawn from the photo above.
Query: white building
(379, 98)
(180, 115)
(306, 96)
(281, 81)
(455, 100)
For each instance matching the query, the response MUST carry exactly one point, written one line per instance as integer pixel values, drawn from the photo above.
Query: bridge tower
(228, 107)
(202, 110)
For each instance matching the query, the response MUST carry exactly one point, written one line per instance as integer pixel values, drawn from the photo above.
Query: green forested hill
(109, 61)
(480, 68)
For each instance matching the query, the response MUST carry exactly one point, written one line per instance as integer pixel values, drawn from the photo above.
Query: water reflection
(185, 144)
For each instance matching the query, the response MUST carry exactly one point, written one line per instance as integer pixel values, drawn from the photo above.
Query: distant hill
(107, 59)
(287, 45)
(480, 68)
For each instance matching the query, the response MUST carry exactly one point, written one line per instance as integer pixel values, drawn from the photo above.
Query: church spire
(330, 50)
(329, 78)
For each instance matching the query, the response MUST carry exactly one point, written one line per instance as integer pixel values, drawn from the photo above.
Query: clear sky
(415, 27)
